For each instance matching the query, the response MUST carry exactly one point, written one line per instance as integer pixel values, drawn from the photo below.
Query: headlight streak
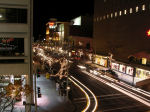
(128, 86)
(87, 96)
(129, 93)
(95, 99)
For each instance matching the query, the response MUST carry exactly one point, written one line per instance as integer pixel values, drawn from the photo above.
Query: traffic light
(148, 33)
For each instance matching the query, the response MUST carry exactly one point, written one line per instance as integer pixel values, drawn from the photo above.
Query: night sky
(63, 10)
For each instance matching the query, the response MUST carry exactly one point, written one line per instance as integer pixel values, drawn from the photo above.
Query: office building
(15, 41)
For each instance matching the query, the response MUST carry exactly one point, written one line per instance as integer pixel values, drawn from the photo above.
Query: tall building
(57, 31)
(122, 31)
(121, 27)
(15, 41)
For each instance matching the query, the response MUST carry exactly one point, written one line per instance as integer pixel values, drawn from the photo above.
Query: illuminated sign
(115, 66)
(77, 21)
(122, 68)
(129, 70)
(52, 25)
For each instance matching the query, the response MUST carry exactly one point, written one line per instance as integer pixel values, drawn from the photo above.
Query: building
(57, 31)
(120, 27)
(15, 41)
(81, 31)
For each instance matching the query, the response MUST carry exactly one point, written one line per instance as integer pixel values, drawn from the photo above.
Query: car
(111, 74)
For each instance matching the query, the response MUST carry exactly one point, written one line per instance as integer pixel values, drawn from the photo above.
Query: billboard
(77, 21)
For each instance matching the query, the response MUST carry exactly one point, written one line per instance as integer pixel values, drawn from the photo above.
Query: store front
(125, 72)
(101, 60)
(141, 74)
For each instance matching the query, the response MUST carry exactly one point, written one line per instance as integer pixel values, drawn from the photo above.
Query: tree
(10, 93)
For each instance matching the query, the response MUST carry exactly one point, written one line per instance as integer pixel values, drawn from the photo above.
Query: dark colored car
(111, 74)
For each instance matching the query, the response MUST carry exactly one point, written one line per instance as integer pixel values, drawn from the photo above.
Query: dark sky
(63, 10)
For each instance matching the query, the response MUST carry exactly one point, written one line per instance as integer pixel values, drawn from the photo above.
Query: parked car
(111, 74)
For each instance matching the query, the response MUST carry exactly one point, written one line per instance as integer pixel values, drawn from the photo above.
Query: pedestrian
(57, 86)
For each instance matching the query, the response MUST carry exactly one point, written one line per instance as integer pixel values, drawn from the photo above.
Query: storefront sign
(115, 66)
(129, 70)
(122, 68)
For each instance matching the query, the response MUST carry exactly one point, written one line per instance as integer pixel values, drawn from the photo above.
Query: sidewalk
(50, 100)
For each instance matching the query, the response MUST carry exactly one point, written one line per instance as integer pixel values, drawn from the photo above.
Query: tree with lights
(11, 93)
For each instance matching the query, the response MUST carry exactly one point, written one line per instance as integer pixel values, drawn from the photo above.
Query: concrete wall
(13, 28)
(14, 69)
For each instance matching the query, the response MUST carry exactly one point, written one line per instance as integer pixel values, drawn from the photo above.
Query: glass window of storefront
(11, 46)
(142, 74)
(100, 61)
(122, 68)
(115, 66)
(129, 70)
(12, 15)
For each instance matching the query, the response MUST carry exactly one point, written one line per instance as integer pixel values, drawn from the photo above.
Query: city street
(109, 99)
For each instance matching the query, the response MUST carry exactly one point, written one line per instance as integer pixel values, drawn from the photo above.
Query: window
(131, 10)
(115, 14)
(125, 11)
(136, 9)
(111, 15)
(120, 13)
(143, 7)
(11, 15)
(97, 19)
(104, 17)
(107, 15)
(100, 18)
(11, 60)
(11, 46)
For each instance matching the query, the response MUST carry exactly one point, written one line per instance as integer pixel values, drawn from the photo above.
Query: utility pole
(67, 77)
(35, 92)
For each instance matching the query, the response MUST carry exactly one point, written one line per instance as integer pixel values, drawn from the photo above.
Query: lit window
(100, 18)
(97, 18)
(115, 14)
(131, 10)
(143, 7)
(120, 13)
(137, 9)
(1, 15)
(125, 11)
(107, 15)
(111, 15)
(104, 17)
